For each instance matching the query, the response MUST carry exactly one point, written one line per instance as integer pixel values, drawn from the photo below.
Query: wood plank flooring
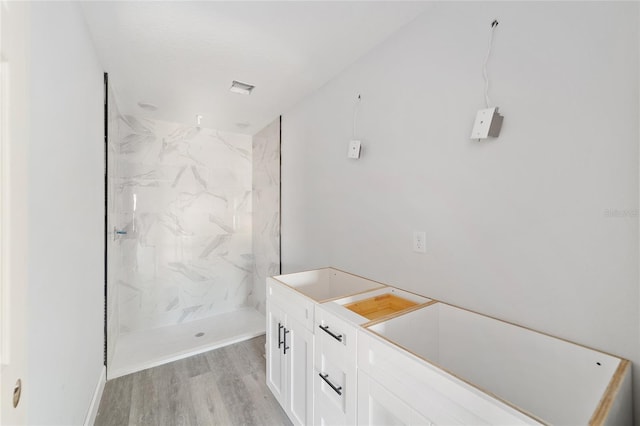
(225, 386)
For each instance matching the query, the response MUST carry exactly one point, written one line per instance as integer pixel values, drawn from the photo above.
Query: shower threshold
(140, 350)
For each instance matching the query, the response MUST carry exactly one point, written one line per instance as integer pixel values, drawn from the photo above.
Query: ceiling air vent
(242, 88)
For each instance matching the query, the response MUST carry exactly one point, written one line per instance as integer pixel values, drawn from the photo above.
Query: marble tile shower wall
(266, 210)
(183, 197)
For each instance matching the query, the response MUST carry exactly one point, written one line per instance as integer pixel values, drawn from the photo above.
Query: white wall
(538, 227)
(66, 208)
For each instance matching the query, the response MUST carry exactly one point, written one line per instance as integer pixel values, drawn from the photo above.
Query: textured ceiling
(182, 56)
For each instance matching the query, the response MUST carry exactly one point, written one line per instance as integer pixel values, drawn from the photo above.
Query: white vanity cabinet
(344, 350)
(290, 352)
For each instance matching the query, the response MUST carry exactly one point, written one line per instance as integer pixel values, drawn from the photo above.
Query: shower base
(149, 348)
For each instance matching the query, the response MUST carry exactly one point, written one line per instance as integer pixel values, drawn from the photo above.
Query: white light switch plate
(354, 150)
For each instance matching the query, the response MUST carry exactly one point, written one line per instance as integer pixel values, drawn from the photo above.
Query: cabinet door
(299, 357)
(276, 367)
(378, 406)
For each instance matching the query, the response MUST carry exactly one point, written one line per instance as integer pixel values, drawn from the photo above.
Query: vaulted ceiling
(182, 56)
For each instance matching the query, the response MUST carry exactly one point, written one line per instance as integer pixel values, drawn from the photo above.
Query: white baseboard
(95, 401)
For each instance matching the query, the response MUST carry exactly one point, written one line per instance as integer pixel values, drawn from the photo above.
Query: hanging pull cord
(487, 101)
(355, 115)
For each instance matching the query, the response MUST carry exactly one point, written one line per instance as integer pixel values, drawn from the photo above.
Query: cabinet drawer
(334, 396)
(297, 306)
(336, 340)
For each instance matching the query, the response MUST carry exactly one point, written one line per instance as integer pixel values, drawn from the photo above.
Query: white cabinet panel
(290, 356)
(275, 359)
(299, 356)
(377, 406)
(432, 392)
(297, 306)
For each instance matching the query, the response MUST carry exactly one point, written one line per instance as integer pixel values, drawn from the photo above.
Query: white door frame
(14, 141)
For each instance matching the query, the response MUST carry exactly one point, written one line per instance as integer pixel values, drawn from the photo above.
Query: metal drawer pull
(280, 342)
(285, 341)
(337, 389)
(325, 328)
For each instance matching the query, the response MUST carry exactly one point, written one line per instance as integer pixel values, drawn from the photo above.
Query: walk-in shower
(187, 208)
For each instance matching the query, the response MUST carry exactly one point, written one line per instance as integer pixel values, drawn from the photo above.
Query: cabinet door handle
(325, 377)
(280, 327)
(325, 328)
(285, 341)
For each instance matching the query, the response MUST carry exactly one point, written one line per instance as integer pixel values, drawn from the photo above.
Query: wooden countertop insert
(380, 306)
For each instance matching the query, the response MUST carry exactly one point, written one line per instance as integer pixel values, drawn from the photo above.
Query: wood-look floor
(225, 386)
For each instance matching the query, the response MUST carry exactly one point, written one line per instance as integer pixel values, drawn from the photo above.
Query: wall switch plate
(354, 150)
(419, 241)
(488, 124)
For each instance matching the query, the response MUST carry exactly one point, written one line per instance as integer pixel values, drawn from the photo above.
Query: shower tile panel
(266, 211)
(183, 195)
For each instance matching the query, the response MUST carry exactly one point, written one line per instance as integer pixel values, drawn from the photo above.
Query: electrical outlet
(419, 241)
